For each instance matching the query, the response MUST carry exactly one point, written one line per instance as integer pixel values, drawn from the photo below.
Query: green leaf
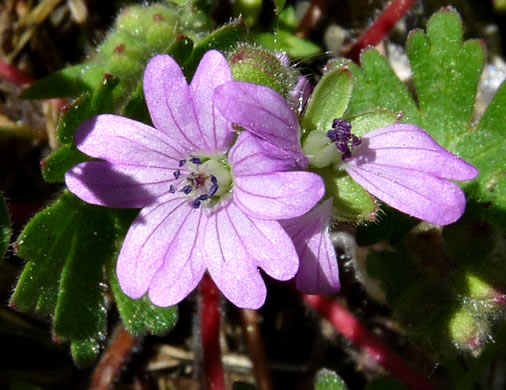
(47, 243)
(329, 380)
(365, 123)
(223, 39)
(101, 100)
(294, 46)
(80, 311)
(68, 82)
(329, 100)
(75, 114)
(375, 87)
(139, 316)
(350, 201)
(485, 147)
(446, 73)
(280, 4)
(60, 161)
(84, 352)
(5, 228)
(67, 246)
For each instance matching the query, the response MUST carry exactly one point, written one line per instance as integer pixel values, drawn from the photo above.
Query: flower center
(203, 180)
(333, 147)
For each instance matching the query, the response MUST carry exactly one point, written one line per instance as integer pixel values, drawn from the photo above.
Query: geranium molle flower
(400, 164)
(210, 199)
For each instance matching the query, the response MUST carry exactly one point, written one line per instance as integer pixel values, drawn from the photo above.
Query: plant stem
(311, 18)
(381, 28)
(210, 328)
(13, 75)
(118, 351)
(256, 348)
(350, 327)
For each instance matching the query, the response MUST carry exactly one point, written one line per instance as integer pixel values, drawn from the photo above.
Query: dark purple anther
(213, 189)
(172, 189)
(343, 138)
(214, 180)
(203, 197)
(177, 173)
(196, 203)
(187, 189)
(196, 160)
(181, 163)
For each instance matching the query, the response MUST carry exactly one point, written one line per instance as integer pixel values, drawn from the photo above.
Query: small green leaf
(375, 87)
(75, 114)
(365, 123)
(328, 101)
(68, 82)
(139, 316)
(280, 4)
(60, 161)
(101, 100)
(329, 380)
(350, 201)
(446, 73)
(84, 352)
(5, 228)
(294, 46)
(80, 311)
(485, 147)
(223, 39)
(181, 49)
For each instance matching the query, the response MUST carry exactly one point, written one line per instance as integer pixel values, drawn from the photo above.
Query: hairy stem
(256, 348)
(210, 328)
(350, 327)
(381, 28)
(118, 351)
(13, 75)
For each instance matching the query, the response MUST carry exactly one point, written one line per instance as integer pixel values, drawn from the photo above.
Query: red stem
(210, 328)
(311, 18)
(381, 28)
(119, 350)
(349, 326)
(251, 330)
(12, 74)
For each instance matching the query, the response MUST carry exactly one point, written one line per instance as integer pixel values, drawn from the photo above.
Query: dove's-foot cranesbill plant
(210, 199)
(399, 164)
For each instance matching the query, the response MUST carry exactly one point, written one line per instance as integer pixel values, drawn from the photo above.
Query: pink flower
(210, 199)
(400, 164)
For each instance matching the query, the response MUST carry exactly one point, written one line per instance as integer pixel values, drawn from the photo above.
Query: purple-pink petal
(418, 194)
(408, 146)
(250, 155)
(170, 104)
(232, 268)
(266, 242)
(118, 185)
(161, 252)
(263, 112)
(278, 195)
(217, 133)
(121, 140)
(318, 271)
